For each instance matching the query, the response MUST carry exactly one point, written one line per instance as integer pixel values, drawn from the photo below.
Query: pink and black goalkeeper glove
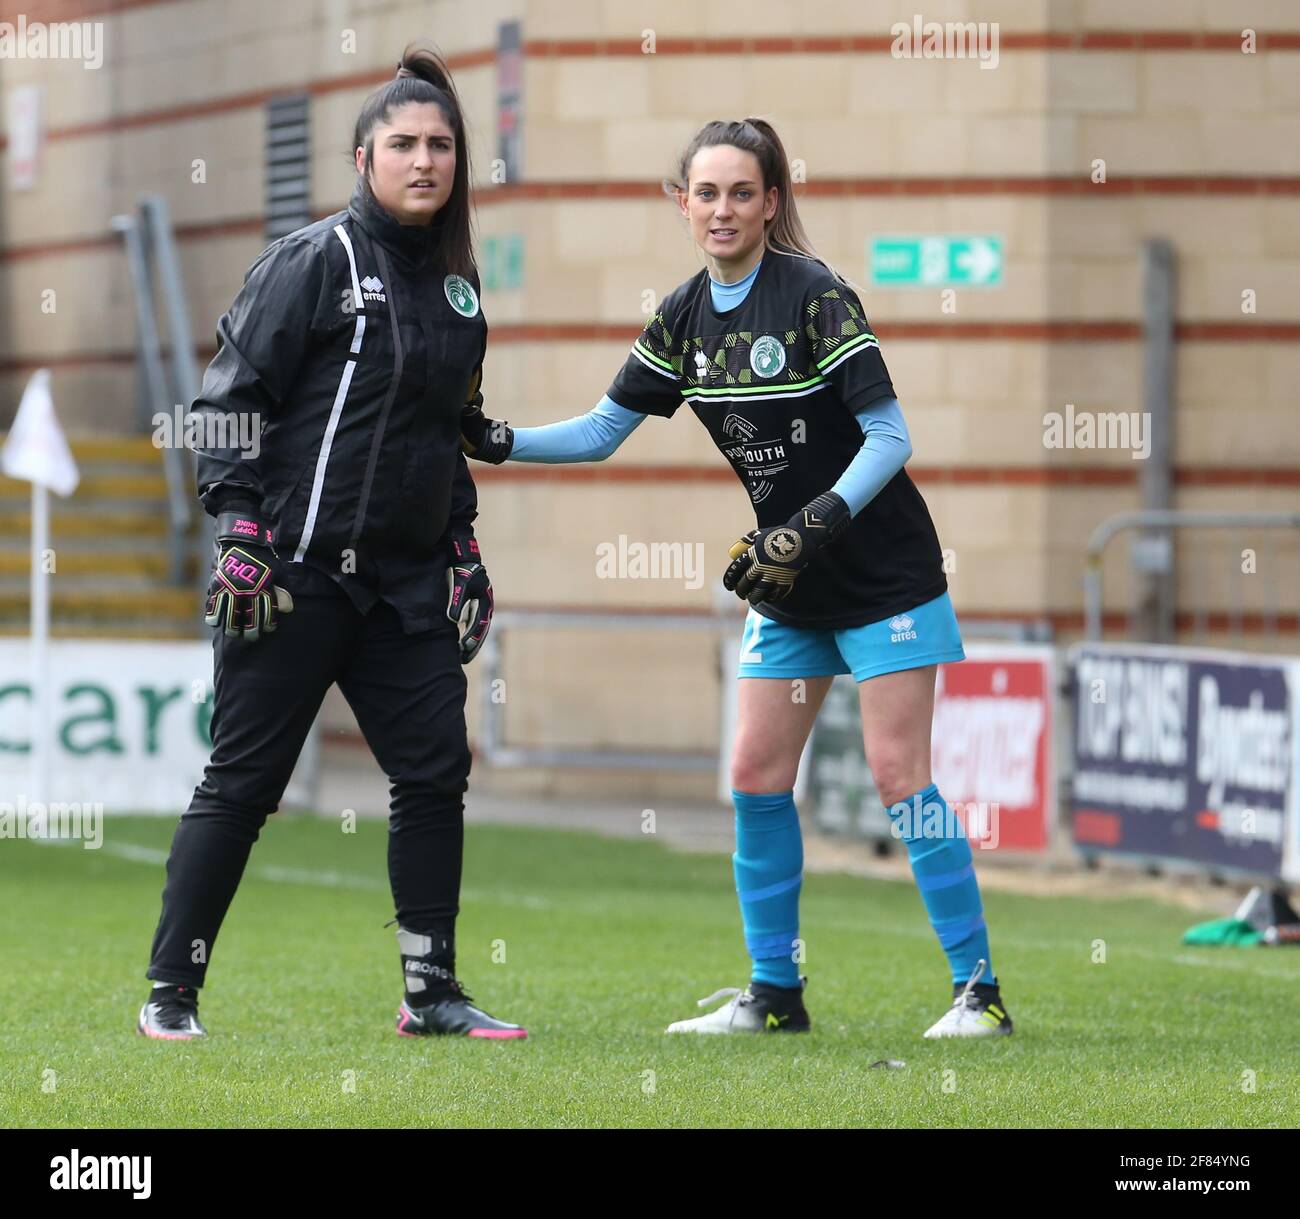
(469, 595)
(242, 594)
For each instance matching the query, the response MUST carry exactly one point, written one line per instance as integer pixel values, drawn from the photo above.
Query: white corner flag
(37, 452)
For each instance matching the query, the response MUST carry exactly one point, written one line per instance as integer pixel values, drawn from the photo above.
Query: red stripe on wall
(1238, 332)
(1249, 622)
(1229, 476)
(865, 44)
(832, 44)
(510, 333)
(1093, 40)
(527, 472)
(1100, 331)
(488, 196)
(77, 359)
(241, 226)
(1114, 622)
(370, 79)
(1051, 476)
(999, 476)
(929, 185)
(70, 10)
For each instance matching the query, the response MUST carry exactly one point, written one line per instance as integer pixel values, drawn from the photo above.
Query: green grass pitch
(605, 942)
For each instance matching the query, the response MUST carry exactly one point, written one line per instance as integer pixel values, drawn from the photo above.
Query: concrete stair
(111, 549)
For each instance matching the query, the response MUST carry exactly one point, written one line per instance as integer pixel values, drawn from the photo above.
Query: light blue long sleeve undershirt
(886, 446)
(886, 449)
(590, 437)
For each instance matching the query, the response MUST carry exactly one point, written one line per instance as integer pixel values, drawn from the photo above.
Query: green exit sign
(937, 261)
(501, 262)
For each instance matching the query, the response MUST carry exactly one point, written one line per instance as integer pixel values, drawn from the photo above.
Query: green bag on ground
(1223, 931)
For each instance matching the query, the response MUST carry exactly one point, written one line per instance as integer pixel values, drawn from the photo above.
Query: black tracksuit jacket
(354, 351)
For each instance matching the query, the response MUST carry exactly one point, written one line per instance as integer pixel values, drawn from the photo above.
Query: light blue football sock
(945, 873)
(768, 864)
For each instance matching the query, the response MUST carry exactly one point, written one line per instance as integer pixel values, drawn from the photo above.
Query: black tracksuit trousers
(408, 694)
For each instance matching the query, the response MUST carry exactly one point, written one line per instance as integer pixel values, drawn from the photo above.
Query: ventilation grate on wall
(288, 165)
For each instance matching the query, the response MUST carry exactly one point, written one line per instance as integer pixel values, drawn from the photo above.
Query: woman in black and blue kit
(843, 573)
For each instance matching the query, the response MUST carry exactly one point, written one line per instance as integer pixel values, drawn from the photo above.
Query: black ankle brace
(428, 963)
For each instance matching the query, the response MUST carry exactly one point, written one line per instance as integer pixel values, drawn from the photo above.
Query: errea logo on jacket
(372, 289)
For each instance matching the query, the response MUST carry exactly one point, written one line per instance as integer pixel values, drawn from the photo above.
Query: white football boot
(758, 1008)
(171, 1014)
(973, 1015)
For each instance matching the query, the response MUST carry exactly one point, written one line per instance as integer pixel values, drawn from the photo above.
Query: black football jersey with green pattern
(776, 381)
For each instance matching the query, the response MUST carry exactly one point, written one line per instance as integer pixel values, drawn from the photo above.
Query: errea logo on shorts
(902, 627)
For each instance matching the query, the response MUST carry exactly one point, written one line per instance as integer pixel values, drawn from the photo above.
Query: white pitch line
(135, 853)
(343, 880)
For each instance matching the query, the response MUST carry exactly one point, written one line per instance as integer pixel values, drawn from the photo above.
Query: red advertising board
(993, 744)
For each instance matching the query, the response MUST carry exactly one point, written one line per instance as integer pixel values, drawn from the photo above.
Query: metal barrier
(498, 753)
(725, 626)
(1156, 552)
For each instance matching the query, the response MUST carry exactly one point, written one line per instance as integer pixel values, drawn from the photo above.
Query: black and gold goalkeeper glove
(766, 562)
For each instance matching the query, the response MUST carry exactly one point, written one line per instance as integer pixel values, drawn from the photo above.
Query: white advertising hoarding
(129, 721)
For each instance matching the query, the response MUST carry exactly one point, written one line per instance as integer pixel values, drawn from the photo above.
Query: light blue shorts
(926, 635)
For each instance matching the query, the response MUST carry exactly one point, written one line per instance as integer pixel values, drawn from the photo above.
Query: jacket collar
(414, 243)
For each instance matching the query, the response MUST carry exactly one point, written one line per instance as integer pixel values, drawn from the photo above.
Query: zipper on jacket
(398, 359)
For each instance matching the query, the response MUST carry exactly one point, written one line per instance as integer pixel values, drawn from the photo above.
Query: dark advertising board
(1183, 755)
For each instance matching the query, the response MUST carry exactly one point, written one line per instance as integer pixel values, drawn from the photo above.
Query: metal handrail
(1159, 518)
(175, 467)
(185, 380)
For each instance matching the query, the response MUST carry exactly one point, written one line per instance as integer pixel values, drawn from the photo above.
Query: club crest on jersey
(701, 366)
(783, 545)
(461, 295)
(767, 356)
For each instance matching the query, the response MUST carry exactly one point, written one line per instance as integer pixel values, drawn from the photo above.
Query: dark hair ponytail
(784, 233)
(423, 76)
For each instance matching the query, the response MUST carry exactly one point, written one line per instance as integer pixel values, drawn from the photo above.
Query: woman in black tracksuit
(345, 547)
